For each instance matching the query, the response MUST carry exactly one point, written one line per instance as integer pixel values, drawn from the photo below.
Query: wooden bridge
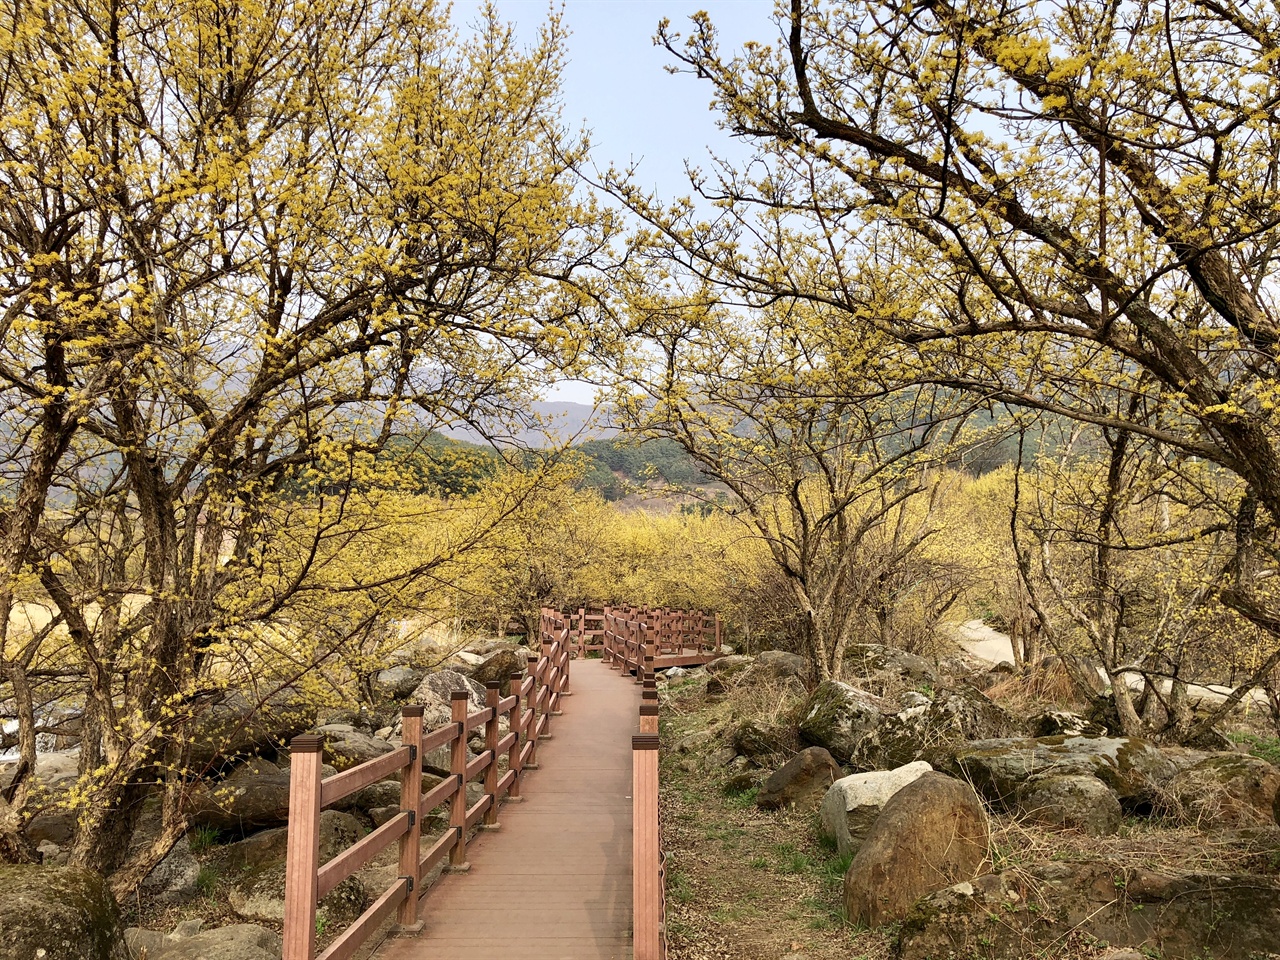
(575, 872)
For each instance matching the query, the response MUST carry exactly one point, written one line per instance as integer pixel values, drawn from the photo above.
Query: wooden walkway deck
(562, 861)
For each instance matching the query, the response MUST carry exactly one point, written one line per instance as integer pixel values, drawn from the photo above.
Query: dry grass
(1152, 844)
(1045, 688)
(742, 883)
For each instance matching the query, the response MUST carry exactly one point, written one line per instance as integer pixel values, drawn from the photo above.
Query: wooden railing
(676, 631)
(530, 703)
(649, 939)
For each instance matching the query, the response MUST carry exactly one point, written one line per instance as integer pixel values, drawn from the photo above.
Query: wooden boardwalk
(555, 882)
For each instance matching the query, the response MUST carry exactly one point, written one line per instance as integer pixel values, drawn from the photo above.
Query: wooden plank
(480, 716)
(438, 794)
(357, 778)
(440, 737)
(507, 742)
(478, 765)
(356, 856)
(437, 852)
(477, 811)
(303, 848)
(504, 785)
(344, 948)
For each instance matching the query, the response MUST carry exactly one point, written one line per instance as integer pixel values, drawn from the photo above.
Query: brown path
(555, 882)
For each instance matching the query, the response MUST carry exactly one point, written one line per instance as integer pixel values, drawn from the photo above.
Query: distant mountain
(556, 422)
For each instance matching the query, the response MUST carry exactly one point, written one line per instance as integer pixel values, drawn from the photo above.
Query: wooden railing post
(513, 725)
(645, 849)
(532, 720)
(301, 884)
(566, 658)
(718, 636)
(410, 801)
(648, 717)
(458, 702)
(492, 694)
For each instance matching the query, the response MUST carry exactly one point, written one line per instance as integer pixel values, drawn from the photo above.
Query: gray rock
(1064, 723)
(173, 880)
(837, 716)
(1032, 910)
(730, 666)
(675, 673)
(269, 847)
(758, 740)
(1230, 789)
(346, 748)
(774, 665)
(241, 723)
(500, 665)
(58, 913)
(384, 793)
(397, 683)
(256, 868)
(803, 778)
(242, 941)
(923, 732)
(433, 694)
(853, 803)
(1077, 801)
(931, 833)
(1130, 767)
(246, 800)
(874, 659)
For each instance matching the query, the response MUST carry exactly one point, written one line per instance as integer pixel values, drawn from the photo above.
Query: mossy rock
(58, 913)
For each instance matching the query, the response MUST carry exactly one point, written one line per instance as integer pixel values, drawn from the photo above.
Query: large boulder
(58, 913)
(1032, 911)
(255, 795)
(1077, 801)
(433, 694)
(837, 716)
(852, 804)
(757, 740)
(1064, 723)
(777, 665)
(241, 723)
(731, 666)
(396, 683)
(241, 941)
(805, 776)
(255, 867)
(500, 665)
(1131, 767)
(174, 879)
(874, 660)
(345, 747)
(1232, 789)
(931, 833)
(927, 730)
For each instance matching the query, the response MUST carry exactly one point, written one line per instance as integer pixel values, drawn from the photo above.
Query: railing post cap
(493, 684)
(459, 695)
(533, 658)
(644, 741)
(648, 694)
(413, 710)
(306, 743)
(648, 709)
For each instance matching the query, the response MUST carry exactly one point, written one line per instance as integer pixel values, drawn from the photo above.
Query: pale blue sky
(615, 83)
(616, 86)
